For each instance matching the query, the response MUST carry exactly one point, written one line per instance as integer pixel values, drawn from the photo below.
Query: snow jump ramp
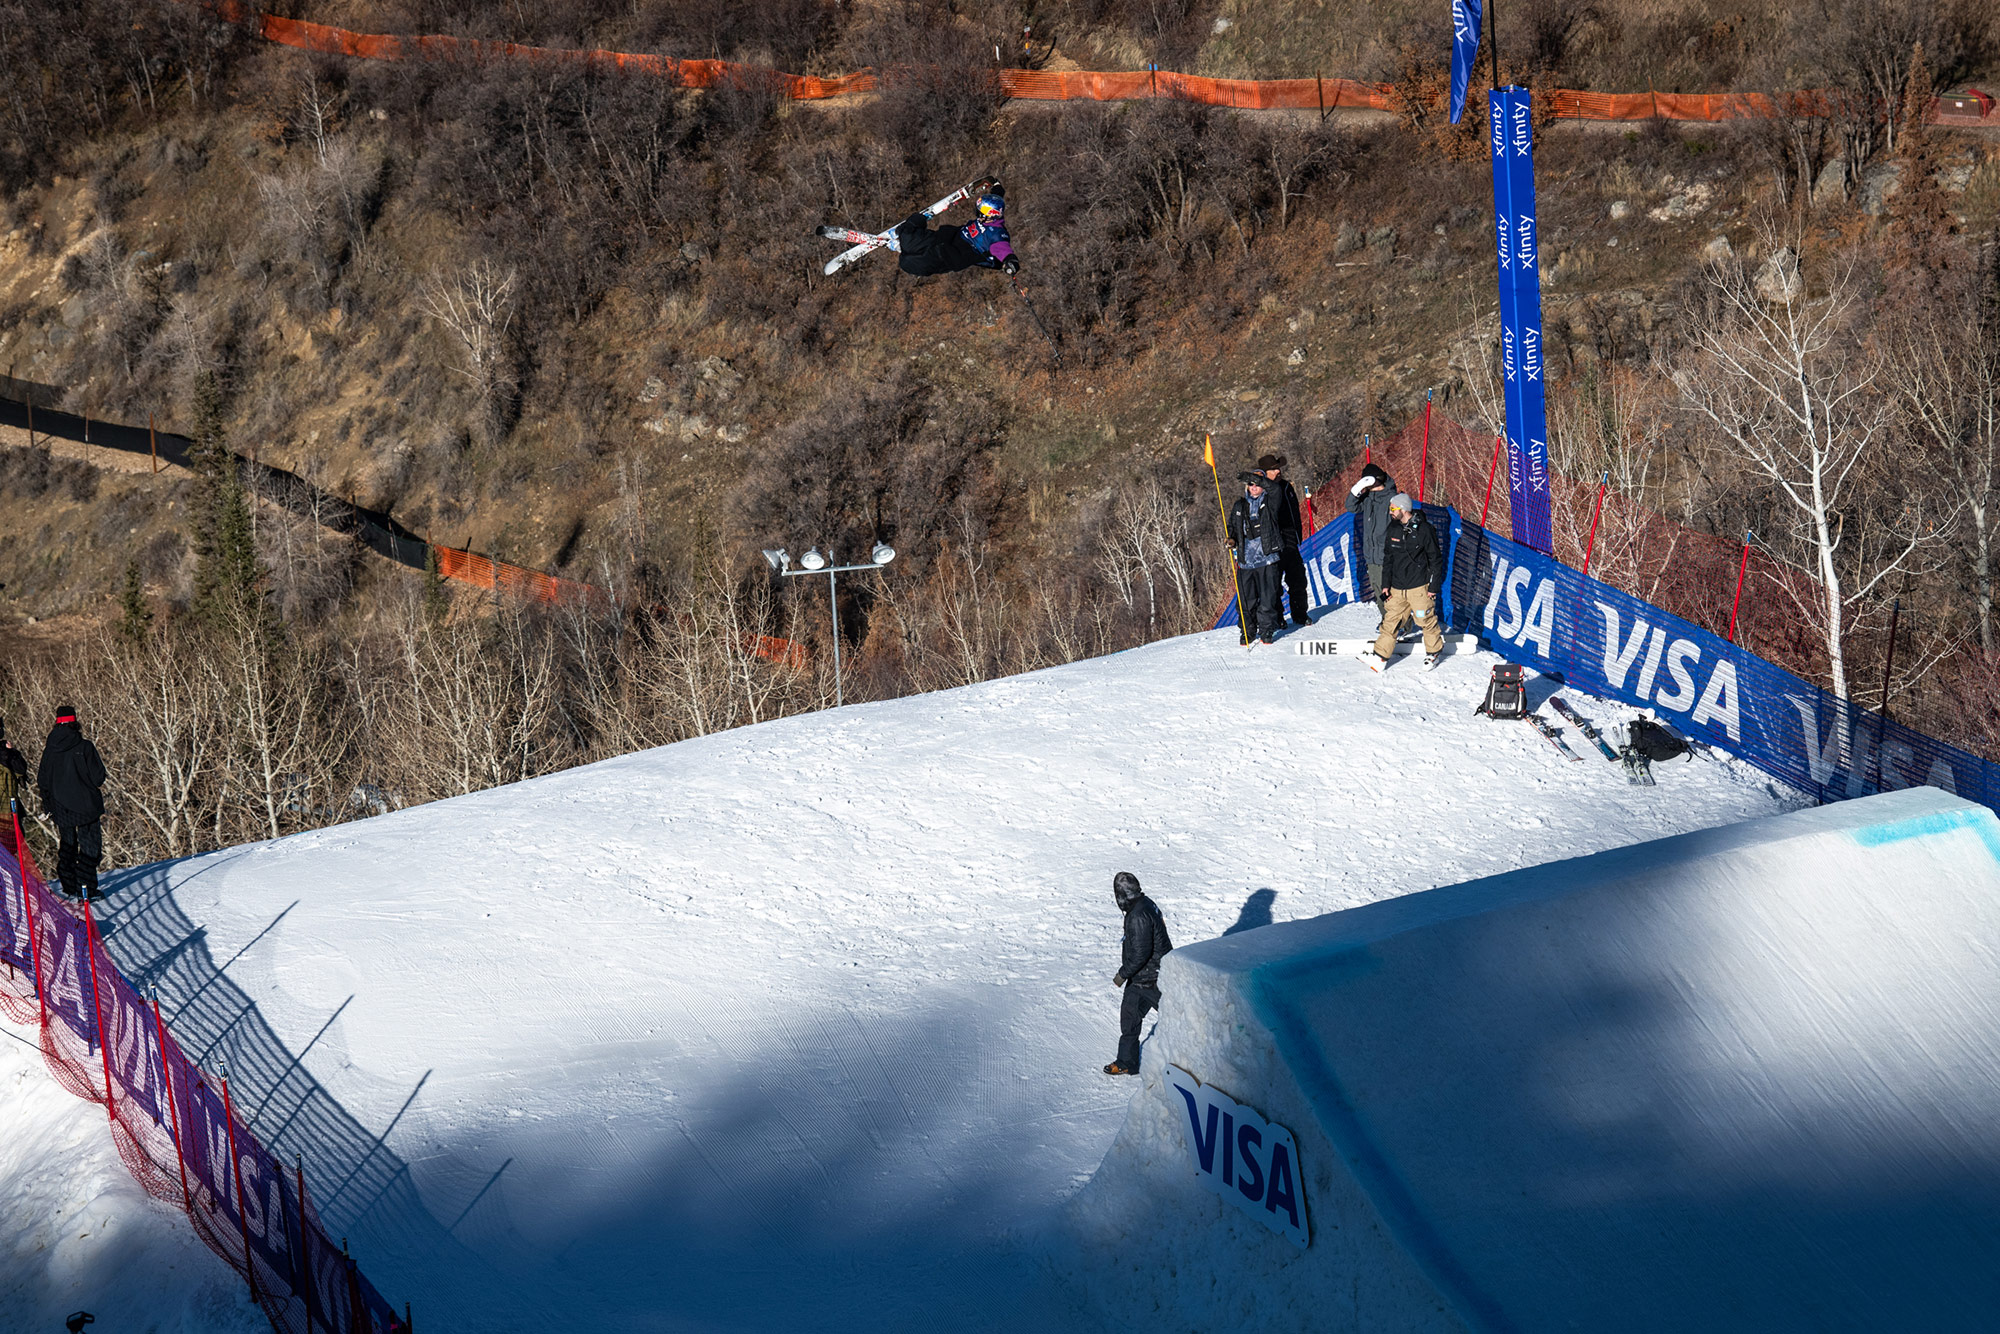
(1743, 1079)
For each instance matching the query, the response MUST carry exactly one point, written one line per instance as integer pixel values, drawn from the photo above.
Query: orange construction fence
(1036, 85)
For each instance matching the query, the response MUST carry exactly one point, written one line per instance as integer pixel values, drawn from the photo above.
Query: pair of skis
(863, 243)
(1638, 769)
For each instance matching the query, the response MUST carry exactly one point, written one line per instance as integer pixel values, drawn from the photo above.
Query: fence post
(1367, 450)
(1889, 661)
(173, 1104)
(305, 1238)
(1424, 457)
(153, 441)
(29, 399)
(1737, 601)
(1491, 469)
(97, 1004)
(1590, 544)
(34, 927)
(236, 1178)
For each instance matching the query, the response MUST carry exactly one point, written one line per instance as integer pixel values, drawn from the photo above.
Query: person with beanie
(1413, 572)
(1255, 539)
(1368, 502)
(70, 781)
(1291, 527)
(1146, 943)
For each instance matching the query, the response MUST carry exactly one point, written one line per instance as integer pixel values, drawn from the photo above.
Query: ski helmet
(1125, 888)
(991, 206)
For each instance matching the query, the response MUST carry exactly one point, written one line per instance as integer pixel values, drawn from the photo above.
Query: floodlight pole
(833, 600)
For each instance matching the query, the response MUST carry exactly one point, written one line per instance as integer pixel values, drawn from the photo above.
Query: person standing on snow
(981, 243)
(1413, 572)
(1291, 527)
(1256, 539)
(1146, 943)
(1368, 502)
(70, 781)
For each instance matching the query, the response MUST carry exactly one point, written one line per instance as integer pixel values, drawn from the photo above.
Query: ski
(1638, 769)
(1541, 724)
(1354, 648)
(1584, 726)
(869, 241)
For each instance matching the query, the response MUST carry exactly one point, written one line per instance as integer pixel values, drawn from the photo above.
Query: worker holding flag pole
(1208, 457)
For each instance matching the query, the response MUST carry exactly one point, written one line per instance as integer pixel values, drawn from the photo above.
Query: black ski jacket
(1371, 519)
(1291, 520)
(927, 250)
(1146, 943)
(1270, 526)
(71, 778)
(1412, 558)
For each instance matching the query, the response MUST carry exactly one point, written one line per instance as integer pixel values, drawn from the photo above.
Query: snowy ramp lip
(1739, 1079)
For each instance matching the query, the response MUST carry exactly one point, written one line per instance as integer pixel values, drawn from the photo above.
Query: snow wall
(1747, 1078)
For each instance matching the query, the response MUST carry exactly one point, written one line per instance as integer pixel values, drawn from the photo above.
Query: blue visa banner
(1533, 610)
(1513, 141)
(1332, 575)
(1465, 24)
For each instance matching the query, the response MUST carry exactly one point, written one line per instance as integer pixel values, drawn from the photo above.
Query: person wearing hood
(1368, 502)
(1413, 572)
(1291, 527)
(70, 781)
(1256, 538)
(1146, 943)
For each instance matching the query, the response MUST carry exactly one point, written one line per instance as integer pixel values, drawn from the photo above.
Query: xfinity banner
(1465, 21)
(1237, 1154)
(1538, 612)
(1512, 132)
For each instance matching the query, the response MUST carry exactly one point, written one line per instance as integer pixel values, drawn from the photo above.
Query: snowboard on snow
(862, 243)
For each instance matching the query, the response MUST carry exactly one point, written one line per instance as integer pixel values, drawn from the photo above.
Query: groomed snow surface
(800, 1026)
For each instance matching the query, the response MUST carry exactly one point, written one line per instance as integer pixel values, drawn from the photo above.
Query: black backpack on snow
(1506, 693)
(1654, 741)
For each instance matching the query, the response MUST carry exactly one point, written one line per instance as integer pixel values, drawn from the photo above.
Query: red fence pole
(173, 1107)
(1596, 510)
(1424, 457)
(305, 1240)
(34, 927)
(1367, 450)
(1491, 469)
(97, 1003)
(1737, 601)
(236, 1175)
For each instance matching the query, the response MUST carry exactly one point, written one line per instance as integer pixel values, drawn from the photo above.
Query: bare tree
(476, 303)
(1788, 385)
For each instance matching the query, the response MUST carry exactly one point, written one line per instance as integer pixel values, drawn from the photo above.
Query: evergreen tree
(136, 618)
(228, 582)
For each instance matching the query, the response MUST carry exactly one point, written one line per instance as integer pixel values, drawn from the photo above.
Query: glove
(1010, 266)
(1360, 486)
(1117, 981)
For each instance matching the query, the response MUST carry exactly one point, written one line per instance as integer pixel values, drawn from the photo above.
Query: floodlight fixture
(883, 553)
(779, 558)
(812, 560)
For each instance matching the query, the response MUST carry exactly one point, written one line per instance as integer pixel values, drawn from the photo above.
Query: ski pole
(1036, 316)
(1236, 576)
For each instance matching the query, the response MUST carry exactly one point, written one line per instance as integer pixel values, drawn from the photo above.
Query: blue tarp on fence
(1534, 610)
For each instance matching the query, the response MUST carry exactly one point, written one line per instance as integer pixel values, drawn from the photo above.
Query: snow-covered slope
(800, 1026)
(1742, 1079)
(78, 1234)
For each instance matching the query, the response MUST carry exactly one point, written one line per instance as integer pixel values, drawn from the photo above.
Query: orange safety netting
(1034, 85)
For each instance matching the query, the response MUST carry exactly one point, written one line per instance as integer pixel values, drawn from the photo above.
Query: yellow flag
(1208, 450)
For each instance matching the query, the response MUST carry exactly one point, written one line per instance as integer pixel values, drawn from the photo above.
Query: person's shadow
(1256, 912)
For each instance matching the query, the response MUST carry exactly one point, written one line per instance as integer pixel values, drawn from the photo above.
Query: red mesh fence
(1041, 85)
(173, 1125)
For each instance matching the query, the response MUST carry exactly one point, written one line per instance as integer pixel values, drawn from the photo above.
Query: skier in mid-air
(982, 243)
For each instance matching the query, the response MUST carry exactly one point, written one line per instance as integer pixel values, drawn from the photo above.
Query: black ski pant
(79, 849)
(923, 251)
(1139, 998)
(1259, 610)
(1292, 567)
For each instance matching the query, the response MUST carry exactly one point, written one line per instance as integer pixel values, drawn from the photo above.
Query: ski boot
(1116, 1069)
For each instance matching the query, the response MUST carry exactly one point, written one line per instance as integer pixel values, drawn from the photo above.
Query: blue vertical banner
(1465, 23)
(1513, 139)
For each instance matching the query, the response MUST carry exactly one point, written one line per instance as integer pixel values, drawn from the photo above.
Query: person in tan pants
(1413, 572)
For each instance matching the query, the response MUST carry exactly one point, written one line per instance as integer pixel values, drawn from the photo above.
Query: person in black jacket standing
(1413, 572)
(1292, 529)
(1256, 537)
(71, 782)
(1146, 943)
(13, 772)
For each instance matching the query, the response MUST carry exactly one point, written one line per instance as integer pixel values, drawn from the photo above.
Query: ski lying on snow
(874, 241)
(1638, 769)
(1541, 724)
(1354, 648)
(1583, 725)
